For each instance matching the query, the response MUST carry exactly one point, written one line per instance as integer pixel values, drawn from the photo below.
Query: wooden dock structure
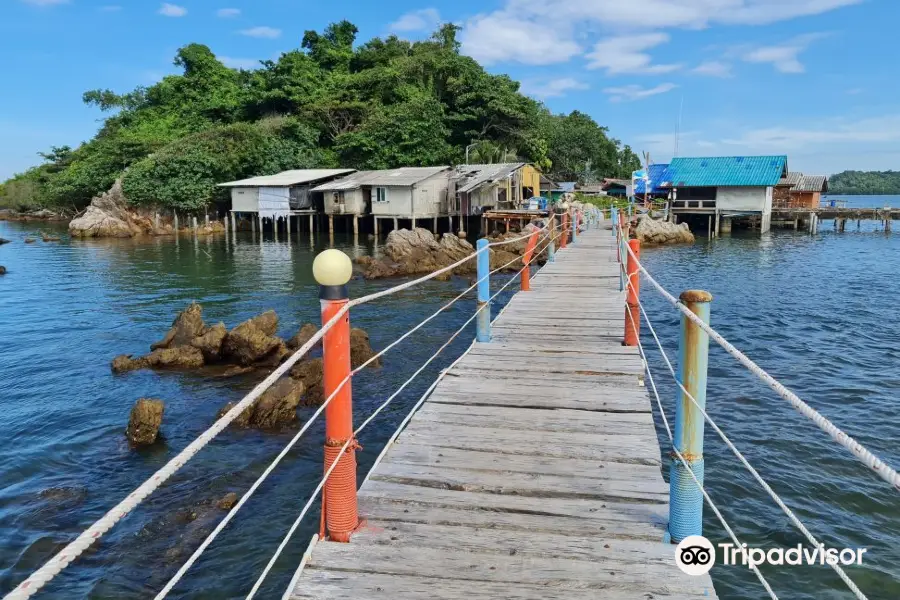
(533, 471)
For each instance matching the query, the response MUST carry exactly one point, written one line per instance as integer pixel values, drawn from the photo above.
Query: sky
(813, 79)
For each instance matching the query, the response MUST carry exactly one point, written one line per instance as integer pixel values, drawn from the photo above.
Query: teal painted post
(612, 218)
(483, 320)
(685, 497)
(551, 251)
(574, 220)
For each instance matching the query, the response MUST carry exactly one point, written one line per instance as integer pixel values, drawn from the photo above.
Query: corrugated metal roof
(404, 176)
(811, 183)
(477, 175)
(567, 186)
(724, 171)
(288, 178)
(792, 179)
(656, 173)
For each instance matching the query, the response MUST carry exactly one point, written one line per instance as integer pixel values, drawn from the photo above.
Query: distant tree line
(865, 182)
(382, 104)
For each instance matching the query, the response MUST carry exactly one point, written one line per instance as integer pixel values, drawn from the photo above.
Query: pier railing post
(632, 307)
(526, 259)
(685, 497)
(613, 218)
(551, 245)
(483, 320)
(332, 269)
(574, 226)
(564, 230)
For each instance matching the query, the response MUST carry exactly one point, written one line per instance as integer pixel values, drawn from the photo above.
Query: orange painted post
(333, 269)
(632, 308)
(565, 231)
(526, 271)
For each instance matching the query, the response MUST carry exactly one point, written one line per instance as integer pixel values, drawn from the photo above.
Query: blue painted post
(612, 218)
(574, 220)
(551, 251)
(685, 497)
(483, 320)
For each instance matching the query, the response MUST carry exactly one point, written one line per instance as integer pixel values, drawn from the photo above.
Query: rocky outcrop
(49, 238)
(211, 228)
(210, 343)
(186, 326)
(301, 337)
(3, 241)
(247, 343)
(124, 363)
(34, 215)
(106, 216)
(408, 252)
(227, 501)
(311, 374)
(2, 270)
(650, 231)
(276, 408)
(361, 349)
(180, 357)
(144, 422)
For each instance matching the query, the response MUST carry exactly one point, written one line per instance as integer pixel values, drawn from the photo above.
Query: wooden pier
(532, 471)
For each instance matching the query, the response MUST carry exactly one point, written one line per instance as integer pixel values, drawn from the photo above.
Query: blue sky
(813, 79)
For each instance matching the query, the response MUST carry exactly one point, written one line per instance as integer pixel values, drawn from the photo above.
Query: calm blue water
(813, 310)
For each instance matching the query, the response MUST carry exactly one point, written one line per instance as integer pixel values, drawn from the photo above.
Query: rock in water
(266, 322)
(361, 349)
(210, 343)
(409, 252)
(106, 216)
(311, 373)
(124, 363)
(242, 420)
(304, 335)
(401, 243)
(247, 344)
(2, 270)
(186, 326)
(650, 231)
(181, 357)
(227, 501)
(277, 406)
(143, 425)
(30, 240)
(3, 241)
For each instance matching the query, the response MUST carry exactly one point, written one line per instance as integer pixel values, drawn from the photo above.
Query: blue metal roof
(656, 174)
(566, 186)
(721, 171)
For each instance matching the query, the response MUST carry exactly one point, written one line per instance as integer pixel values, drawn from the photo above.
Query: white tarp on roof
(274, 202)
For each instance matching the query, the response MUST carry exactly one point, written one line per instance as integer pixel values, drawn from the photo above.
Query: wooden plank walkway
(532, 471)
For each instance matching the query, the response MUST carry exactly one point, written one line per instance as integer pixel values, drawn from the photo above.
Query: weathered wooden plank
(497, 481)
(638, 449)
(417, 454)
(323, 584)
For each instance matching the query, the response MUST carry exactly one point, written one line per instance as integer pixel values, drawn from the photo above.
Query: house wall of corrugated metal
(245, 199)
(744, 198)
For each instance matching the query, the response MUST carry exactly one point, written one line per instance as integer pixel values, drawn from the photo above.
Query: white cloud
(784, 57)
(262, 32)
(626, 54)
(712, 68)
(499, 37)
(45, 2)
(228, 13)
(172, 10)
(636, 92)
(552, 88)
(239, 63)
(545, 32)
(426, 19)
(873, 130)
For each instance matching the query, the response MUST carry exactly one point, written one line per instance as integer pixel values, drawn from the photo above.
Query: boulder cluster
(418, 251)
(652, 231)
(191, 344)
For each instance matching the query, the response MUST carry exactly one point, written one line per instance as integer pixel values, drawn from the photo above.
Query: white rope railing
(74, 549)
(224, 522)
(371, 417)
(706, 496)
(858, 450)
(790, 514)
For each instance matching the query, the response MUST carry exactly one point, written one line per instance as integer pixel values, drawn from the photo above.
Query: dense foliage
(865, 182)
(382, 104)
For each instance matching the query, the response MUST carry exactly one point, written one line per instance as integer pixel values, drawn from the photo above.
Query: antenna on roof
(678, 125)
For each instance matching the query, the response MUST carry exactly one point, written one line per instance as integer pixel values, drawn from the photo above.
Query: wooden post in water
(632, 307)
(175, 221)
(332, 269)
(483, 320)
(156, 220)
(685, 497)
(233, 223)
(194, 223)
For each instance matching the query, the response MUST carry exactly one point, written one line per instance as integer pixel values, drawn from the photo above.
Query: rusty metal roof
(811, 183)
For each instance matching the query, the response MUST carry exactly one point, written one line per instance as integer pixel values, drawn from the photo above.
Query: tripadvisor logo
(696, 555)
